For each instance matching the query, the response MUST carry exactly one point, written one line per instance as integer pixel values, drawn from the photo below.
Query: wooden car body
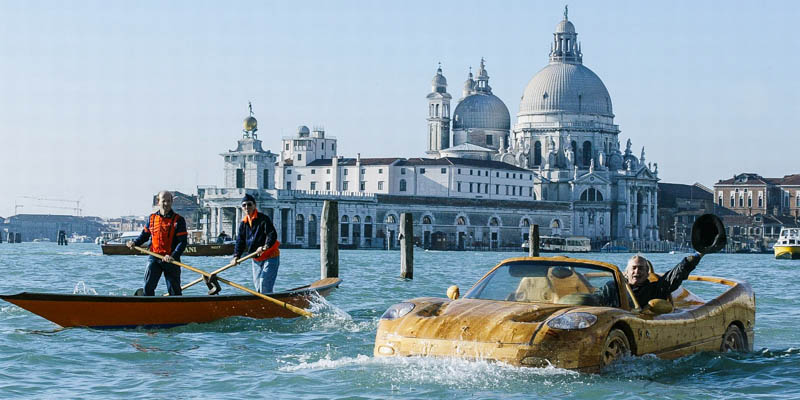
(533, 328)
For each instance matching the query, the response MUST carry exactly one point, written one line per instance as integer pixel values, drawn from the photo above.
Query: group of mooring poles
(329, 242)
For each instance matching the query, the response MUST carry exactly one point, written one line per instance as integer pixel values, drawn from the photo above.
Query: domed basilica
(483, 184)
(565, 134)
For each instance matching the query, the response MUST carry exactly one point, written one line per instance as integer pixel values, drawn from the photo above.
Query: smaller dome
(565, 27)
(303, 131)
(250, 124)
(439, 79)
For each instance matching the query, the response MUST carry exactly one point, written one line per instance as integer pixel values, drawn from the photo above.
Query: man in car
(637, 273)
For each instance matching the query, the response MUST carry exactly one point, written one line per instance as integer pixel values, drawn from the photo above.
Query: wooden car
(569, 313)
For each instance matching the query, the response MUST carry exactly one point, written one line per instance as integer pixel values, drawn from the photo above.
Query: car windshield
(549, 282)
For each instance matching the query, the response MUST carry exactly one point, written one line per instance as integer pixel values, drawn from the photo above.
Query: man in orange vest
(168, 233)
(256, 233)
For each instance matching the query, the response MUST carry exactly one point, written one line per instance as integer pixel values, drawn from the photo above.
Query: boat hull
(119, 312)
(787, 252)
(191, 250)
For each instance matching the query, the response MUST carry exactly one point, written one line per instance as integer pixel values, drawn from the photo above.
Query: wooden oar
(294, 309)
(216, 271)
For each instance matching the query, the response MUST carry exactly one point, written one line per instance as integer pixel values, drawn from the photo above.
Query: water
(330, 356)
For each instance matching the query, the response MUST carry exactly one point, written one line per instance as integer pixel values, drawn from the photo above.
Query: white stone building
(484, 183)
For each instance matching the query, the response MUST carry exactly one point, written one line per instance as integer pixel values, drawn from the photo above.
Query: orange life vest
(162, 232)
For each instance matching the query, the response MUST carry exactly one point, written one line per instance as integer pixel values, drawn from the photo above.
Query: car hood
(473, 320)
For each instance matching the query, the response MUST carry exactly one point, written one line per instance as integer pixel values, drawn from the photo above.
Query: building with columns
(484, 181)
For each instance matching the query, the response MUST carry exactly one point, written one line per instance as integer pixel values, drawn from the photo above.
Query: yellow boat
(788, 245)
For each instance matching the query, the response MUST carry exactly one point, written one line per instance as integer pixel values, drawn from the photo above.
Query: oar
(233, 264)
(296, 310)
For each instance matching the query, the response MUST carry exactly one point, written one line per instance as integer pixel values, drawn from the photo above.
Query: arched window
(591, 194)
(402, 185)
(525, 222)
(537, 153)
(556, 224)
(426, 220)
(461, 221)
(494, 222)
(390, 219)
(299, 225)
(587, 153)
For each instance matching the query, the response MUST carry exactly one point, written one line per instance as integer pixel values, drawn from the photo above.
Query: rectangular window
(496, 189)
(288, 185)
(328, 171)
(459, 186)
(380, 185)
(313, 171)
(299, 177)
(288, 172)
(459, 171)
(345, 172)
(313, 185)
(513, 190)
(422, 170)
(287, 146)
(485, 173)
(362, 185)
(323, 145)
(402, 171)
(470, 187)
(380, 170)
(266, 179)
(344, 185)
(299, 157)
(363, 171)
(486, 188)
(506, 175)
(496, 174)
(444, 170)
(489, 139)
(506, 190)
(327, 186)
(470, 172)
(530, 192)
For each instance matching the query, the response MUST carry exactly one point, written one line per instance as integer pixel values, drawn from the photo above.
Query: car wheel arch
(626, 329)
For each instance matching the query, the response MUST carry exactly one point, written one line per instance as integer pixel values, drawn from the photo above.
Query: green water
(330, 356)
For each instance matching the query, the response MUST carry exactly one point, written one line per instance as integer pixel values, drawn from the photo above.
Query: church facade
(483, 181)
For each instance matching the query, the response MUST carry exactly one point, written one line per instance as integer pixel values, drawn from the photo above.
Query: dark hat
(248, 197)
(708, 234)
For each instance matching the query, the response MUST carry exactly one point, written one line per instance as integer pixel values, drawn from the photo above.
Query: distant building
(560, 166)
(679, 205)
(40, 226)
(751, 194)
(755, 232)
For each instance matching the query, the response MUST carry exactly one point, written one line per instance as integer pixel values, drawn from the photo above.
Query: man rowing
(167, 232)
(256, 233)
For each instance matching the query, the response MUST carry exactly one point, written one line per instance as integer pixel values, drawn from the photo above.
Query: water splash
(329, 317)
(82, 288)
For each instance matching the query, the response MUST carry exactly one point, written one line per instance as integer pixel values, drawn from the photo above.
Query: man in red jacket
(256, 233)
(168, 233)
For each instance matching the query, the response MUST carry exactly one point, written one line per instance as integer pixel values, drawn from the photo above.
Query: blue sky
(110, 101)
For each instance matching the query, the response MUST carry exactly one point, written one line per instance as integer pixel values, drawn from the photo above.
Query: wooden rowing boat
(116, 312)
(225, 249)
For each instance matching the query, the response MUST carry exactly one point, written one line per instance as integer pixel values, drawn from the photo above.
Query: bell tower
(438, 114)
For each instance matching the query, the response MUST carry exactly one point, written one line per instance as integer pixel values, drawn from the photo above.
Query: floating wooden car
(565, 312)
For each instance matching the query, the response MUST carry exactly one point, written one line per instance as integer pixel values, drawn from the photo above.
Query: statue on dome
(569, 156)
(655, 168)
(591, 165)
(628, 147)
(641, 158)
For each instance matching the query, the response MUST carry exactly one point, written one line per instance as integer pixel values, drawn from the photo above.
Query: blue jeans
(264, 274)
(172, 274)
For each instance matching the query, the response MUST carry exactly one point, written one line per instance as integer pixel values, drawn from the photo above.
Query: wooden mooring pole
(406, 246)
(533, 241)
(329, 240)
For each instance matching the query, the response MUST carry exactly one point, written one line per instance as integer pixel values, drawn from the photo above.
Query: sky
(107, 102)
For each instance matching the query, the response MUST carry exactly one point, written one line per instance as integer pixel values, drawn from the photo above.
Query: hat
(248, 197)
(708, 234)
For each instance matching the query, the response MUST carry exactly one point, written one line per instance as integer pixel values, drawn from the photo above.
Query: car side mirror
(659, 306)
(453, 292)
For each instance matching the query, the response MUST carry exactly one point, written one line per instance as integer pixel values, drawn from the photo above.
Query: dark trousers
(172, 274)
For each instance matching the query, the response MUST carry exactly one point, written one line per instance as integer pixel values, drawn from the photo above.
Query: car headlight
(398, 310)
(575, 320)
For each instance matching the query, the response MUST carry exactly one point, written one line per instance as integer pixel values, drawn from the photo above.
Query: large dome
(481, 111)
(566, 87)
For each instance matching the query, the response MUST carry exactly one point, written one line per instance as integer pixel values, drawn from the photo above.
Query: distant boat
(557, 244)
(75, 238)
(40, 240)
(609, 248)
(788, 244)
